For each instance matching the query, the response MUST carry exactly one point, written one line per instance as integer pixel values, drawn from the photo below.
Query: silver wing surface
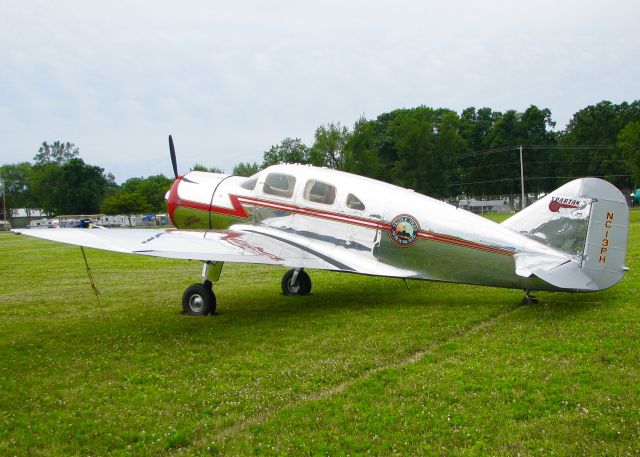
(247, 244)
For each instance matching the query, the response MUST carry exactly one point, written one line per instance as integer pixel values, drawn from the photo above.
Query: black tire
(302, 285)
(199, 300)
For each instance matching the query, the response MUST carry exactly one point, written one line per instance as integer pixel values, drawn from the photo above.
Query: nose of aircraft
(172, 199)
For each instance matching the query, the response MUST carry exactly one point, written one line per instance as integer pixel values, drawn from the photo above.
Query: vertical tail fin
(606, 246)
(587, 218)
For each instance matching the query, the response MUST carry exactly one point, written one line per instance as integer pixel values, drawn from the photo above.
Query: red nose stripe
(172, 202)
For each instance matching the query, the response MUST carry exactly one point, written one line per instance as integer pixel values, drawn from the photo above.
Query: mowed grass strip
(362, 365)
(555, 379)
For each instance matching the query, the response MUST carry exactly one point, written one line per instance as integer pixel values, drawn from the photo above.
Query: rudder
(606, 246)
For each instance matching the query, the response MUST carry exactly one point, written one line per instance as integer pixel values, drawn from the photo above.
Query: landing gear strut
(296, 282)
(529, 299)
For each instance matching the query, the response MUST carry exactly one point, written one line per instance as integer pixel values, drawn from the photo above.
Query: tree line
(435, 151)
(441, 153)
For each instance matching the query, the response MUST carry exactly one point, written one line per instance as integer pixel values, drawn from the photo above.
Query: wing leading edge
(212, 245)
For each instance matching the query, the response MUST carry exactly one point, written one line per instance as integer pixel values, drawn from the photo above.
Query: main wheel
(199, 300)
(302, 286)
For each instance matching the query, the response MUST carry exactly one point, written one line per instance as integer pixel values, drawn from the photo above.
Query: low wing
(225, 246)
(248, 244)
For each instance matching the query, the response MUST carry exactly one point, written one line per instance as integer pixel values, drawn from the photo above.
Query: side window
(319, 192)
(279, 184)
(354, 202)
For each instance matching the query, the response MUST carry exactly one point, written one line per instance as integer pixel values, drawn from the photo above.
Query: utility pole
(523, 202)
(4, 203)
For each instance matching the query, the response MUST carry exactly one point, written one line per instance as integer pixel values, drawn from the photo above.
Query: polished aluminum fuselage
(445, 244)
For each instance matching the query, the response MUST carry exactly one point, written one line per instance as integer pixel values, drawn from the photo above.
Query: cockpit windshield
(250, 182)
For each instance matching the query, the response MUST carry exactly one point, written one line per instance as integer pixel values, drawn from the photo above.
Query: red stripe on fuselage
(337, 217)
(238, 210)
(464, 243)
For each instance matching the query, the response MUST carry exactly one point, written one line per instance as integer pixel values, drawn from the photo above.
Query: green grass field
(361, 366)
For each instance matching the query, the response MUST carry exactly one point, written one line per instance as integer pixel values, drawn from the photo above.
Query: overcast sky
(230, 79)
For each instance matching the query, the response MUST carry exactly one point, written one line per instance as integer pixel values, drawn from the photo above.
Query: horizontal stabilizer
(558, 271)
(526, 263)
(562, 273)
(567, 276)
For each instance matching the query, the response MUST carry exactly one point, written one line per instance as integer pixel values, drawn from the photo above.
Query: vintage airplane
(306, 217)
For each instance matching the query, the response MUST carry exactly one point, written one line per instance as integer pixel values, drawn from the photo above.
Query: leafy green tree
(386, 146)
(541, 164)
(246, 169)
(130, 185)
(72, 188)
(16, 178)
(152, 190)
(371, 147)
(598, 125)
(427, 141)
(629, 143)
(475, 168)
(58, 152)
(112, 186)
(289, 150)
(83, 187)
(362, 147)
(475, 126)
(330, 147)
(201, 167)
(502, 156)
(125, 203)
(46, 179)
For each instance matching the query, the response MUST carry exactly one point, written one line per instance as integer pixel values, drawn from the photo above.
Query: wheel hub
(196, 303)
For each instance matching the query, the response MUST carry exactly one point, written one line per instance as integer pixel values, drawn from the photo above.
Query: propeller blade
(172, 152)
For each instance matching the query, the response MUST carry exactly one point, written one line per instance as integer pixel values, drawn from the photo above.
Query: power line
(534, 178)
(486, 152)
(569, 146)
(491, 151)
(571, 161)
(540, 162)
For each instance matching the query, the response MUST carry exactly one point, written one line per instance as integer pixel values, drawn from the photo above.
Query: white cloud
(229, 80)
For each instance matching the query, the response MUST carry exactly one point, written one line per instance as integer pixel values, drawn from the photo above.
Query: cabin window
(319, 192)
(250, 183)
(279, 184)
(354, 202)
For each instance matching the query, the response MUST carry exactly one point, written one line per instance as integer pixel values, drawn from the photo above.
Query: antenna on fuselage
(172, 152)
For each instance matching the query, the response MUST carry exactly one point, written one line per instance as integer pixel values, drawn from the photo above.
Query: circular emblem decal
(404, 230)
